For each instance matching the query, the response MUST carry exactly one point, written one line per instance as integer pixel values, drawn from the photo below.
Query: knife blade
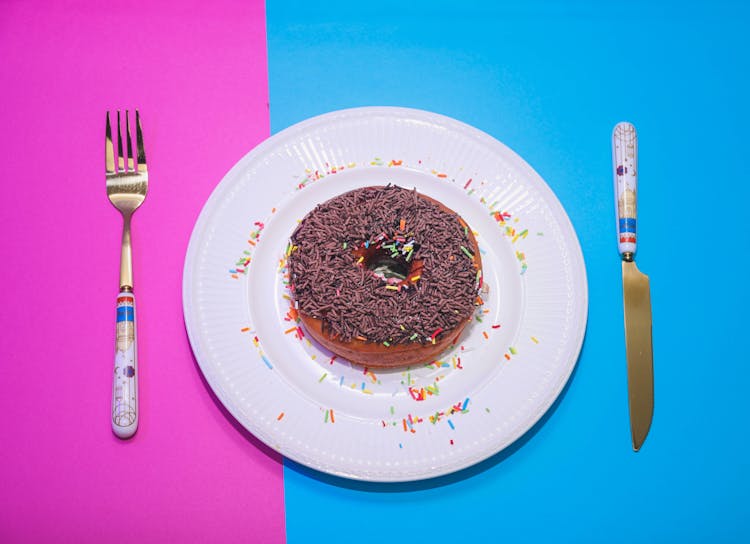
(636, 291)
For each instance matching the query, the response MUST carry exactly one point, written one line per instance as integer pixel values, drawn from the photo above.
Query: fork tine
(129, 142)
(139, 143)
(109, 150)
(120, 158)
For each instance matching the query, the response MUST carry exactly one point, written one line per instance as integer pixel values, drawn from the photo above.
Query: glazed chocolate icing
(331, 280)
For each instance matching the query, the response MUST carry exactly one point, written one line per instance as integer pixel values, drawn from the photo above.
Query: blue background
(550, 80)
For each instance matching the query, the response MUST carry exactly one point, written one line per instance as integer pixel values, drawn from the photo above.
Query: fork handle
(125, 378)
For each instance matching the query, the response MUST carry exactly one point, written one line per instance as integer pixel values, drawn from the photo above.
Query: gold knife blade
(639, 350)
(636, 292)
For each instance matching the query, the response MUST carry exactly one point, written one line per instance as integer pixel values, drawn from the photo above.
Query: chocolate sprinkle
(331, 281)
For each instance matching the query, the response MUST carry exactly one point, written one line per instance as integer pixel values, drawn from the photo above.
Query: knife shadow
(439, 481)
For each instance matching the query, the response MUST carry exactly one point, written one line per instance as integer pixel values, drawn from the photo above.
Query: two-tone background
(212, 80)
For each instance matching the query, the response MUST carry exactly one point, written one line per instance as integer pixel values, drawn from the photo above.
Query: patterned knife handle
(625, 161)
(125, 379)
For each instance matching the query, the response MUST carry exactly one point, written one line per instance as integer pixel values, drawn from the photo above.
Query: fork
(126, 189)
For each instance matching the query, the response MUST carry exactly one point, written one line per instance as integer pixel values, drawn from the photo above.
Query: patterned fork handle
(125, 379)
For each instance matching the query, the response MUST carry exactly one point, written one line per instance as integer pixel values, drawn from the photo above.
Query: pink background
(197, 72)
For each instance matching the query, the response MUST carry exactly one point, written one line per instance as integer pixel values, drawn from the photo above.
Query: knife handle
(125, 378)
(625, 162)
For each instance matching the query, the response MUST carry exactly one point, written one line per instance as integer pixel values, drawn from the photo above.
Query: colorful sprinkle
(417, 394)
(521, 234)
(265, 360)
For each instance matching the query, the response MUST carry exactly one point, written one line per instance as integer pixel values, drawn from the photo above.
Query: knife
(635, 285)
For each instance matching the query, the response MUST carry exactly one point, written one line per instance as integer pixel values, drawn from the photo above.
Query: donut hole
(386, 267)
(390, 267)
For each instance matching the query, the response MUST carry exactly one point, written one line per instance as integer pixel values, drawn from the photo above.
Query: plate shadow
(247, 435)
(391, 487)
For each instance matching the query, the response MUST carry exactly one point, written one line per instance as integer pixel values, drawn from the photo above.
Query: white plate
(406, 424)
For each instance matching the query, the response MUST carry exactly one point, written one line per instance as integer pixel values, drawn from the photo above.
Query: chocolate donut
(384, 276)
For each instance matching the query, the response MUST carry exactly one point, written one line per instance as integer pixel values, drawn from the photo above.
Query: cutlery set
(635, 285)
(127, 184)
